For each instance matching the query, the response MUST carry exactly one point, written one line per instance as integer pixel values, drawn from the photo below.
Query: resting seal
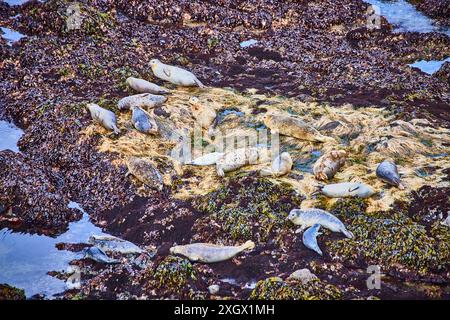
(145, 172)
(143, 100)
(310, 238)
(329, 164)
(281, 165)
(294, 127)
(241, 157)
(105, 117)
(142, 121)
(209, 253)
(387, 171)
(309, 217)
(347, 189)
(144, 86)
(174, 74)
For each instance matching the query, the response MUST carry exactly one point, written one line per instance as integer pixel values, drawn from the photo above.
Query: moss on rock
(276, 289)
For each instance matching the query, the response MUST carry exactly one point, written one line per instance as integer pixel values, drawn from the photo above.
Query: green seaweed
(276, 289)
(249, 207)
(174, 273)
(388, 239)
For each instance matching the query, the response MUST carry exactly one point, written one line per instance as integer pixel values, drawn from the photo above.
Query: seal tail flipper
(347, 233)
(116, 130)
(249, 245)
(199, 83)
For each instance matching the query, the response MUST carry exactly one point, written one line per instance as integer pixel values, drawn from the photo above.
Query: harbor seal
(309, 217)
(109, 243)
(98, 255)
(144, 86)
(294, 127)
(143, 100)
(347, 189)
(207, 159)
(241, 157)
(210, 253)
(174, 74)
(329, 164)
(281, 165)
(145, 172)
(142, 121)
(310, 238)
(105, 117)
(202, 114)
(387, 171)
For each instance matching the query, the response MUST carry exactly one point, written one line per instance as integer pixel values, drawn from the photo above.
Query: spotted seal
(241, 157)
(310, 238)
(105, 117)
(294, 127)
(143, 100)
(144, 86)
(347, 189)
(142, 121)
(174, 74)
(387, 171)
(210, 253)
(309, 217)
(329, 164)
(281, 165)
(145, 172)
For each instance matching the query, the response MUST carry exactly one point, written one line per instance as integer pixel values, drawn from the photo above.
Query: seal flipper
(353, 189)
(199, 83)
(319, 190)
(347, 233)
(166, 71)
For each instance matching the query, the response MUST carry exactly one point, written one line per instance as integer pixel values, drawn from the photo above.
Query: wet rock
(303, 275)
(444, 73)
(213, 289)
(8, 292)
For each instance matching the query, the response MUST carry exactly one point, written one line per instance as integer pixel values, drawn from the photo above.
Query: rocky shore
(309, 55)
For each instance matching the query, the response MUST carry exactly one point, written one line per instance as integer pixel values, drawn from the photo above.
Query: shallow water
(405, 17)
(9, 136)
(429, 67)
(10, 35)
(15, 2)
(248, 43)
(25, 259)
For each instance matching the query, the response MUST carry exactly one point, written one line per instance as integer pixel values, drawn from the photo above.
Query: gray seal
(99, 255)
(309, 217)
(310, 238)
(142, 121)
(387, 171)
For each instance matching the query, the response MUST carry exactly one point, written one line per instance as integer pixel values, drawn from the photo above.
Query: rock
(214, 289)
(10, 293)
(303, 275)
